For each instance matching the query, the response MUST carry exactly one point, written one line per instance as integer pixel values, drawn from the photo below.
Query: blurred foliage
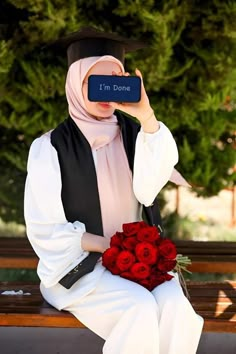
(19, 275)
(186, 228)
(188, 68)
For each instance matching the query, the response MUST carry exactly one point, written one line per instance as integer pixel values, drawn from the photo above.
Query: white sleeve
(155, 157)
(56, 241)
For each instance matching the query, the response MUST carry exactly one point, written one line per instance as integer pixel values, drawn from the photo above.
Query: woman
(86, 178)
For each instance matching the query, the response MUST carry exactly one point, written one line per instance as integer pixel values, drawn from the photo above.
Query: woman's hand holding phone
(140, 110)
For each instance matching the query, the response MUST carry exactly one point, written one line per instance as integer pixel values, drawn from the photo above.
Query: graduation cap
(89, 42)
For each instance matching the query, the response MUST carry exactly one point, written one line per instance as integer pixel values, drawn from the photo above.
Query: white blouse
(56, 241)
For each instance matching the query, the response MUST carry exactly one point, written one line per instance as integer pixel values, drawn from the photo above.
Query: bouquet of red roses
(138, 253)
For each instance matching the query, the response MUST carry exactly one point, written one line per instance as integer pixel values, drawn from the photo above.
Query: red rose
(145, 283)
(146, 253)
(109, 257)
(140, 270)
(131, 228)
(156, 279)
(167, 249)
(143, 224)
(116, 240)
(114, 269)
(127, 275)
(149, 234)
(166, 265)
(168, 276)
(129, 243)
(124, 260)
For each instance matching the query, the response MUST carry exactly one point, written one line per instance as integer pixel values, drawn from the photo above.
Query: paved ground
(82, 341)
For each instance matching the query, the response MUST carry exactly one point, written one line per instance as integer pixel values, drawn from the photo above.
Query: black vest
(79, 193)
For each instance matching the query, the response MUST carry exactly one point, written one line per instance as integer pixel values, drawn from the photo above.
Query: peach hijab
(117, 200)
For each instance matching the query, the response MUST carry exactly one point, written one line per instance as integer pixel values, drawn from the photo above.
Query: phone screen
(111, 88)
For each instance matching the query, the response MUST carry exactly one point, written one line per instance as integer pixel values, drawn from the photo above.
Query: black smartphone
(111, 88)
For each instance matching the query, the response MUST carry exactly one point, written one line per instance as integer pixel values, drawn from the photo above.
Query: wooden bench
(215, 302)
(207, 257)
(17, 253)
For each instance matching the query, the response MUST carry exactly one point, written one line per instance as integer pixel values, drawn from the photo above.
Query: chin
(105, 113)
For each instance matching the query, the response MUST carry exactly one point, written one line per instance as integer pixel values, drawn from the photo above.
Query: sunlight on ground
(11, 229)
(204, 218)
(216, 209)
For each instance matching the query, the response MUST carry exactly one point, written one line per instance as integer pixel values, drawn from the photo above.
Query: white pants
(133, 320)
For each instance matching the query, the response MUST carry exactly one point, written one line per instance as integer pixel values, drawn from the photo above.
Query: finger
(119, 73)
(139, 74)
(116, 73)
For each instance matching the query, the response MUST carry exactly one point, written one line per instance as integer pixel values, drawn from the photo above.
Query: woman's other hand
(140, 110)
(94, 243)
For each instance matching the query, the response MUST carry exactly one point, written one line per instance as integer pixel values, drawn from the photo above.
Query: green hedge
(188, 68)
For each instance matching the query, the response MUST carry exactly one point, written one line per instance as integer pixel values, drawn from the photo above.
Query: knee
(146, 310)
(170, 294)
(144, 299)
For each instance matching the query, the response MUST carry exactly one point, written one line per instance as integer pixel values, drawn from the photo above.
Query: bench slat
(219, 326)
(13, 244)
(18, 262)
(213, 267)
(51, 313)
(207, 257)
(208, 266)
(71, 322)
(61, 320)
